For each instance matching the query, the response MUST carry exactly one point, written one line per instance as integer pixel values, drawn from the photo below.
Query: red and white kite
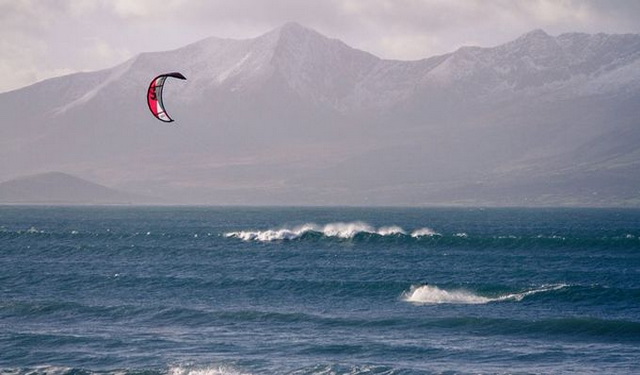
(154, 96)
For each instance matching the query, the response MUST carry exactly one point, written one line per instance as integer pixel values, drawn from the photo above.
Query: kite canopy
(154, 96)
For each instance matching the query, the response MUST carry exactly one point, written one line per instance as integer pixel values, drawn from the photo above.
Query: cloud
(421, 28)
(23, 16)
(40, 37)
(22, 24)
(99, 50)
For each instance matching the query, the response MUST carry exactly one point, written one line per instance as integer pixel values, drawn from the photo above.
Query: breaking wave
(336, 230)
(431, 295)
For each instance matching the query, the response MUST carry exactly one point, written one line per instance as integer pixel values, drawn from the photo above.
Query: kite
(154, 96)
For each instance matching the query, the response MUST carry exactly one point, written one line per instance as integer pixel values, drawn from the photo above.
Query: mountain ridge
(292, 116)
(62, 188)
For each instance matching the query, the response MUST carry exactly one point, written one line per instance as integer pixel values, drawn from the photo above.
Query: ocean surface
(231, 291)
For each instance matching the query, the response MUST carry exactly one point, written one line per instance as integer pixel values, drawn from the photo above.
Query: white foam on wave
(522, 295)
(390, 231)
(344, 230)
(430, 294)
(272, 234)
(211, 370)
(424, 232)
(334, 369)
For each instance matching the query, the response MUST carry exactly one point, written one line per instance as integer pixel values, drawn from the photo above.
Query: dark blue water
(226, 291)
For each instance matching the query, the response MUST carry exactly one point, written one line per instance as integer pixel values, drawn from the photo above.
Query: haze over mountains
(293, 117)
(63, 189)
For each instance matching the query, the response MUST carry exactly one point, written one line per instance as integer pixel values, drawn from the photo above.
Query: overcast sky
(45, 38)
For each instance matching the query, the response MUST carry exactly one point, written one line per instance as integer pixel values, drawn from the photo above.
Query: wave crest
(429, 294)
(342, 230)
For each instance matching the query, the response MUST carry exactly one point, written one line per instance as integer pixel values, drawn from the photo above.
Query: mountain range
(296, 118)
(57, 188)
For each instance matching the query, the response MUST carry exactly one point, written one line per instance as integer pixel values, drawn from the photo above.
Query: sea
(124, 290)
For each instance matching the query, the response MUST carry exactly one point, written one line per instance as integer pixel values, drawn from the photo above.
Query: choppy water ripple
(215, 291)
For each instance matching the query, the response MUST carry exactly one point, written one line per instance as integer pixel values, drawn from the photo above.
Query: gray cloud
(43, 38)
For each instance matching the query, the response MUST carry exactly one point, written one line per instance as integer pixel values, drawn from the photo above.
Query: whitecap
(424, 232)
(270, 234)
(347, 230)
(342, 230)
(211, 370)
(391, 231)
(430, 294)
